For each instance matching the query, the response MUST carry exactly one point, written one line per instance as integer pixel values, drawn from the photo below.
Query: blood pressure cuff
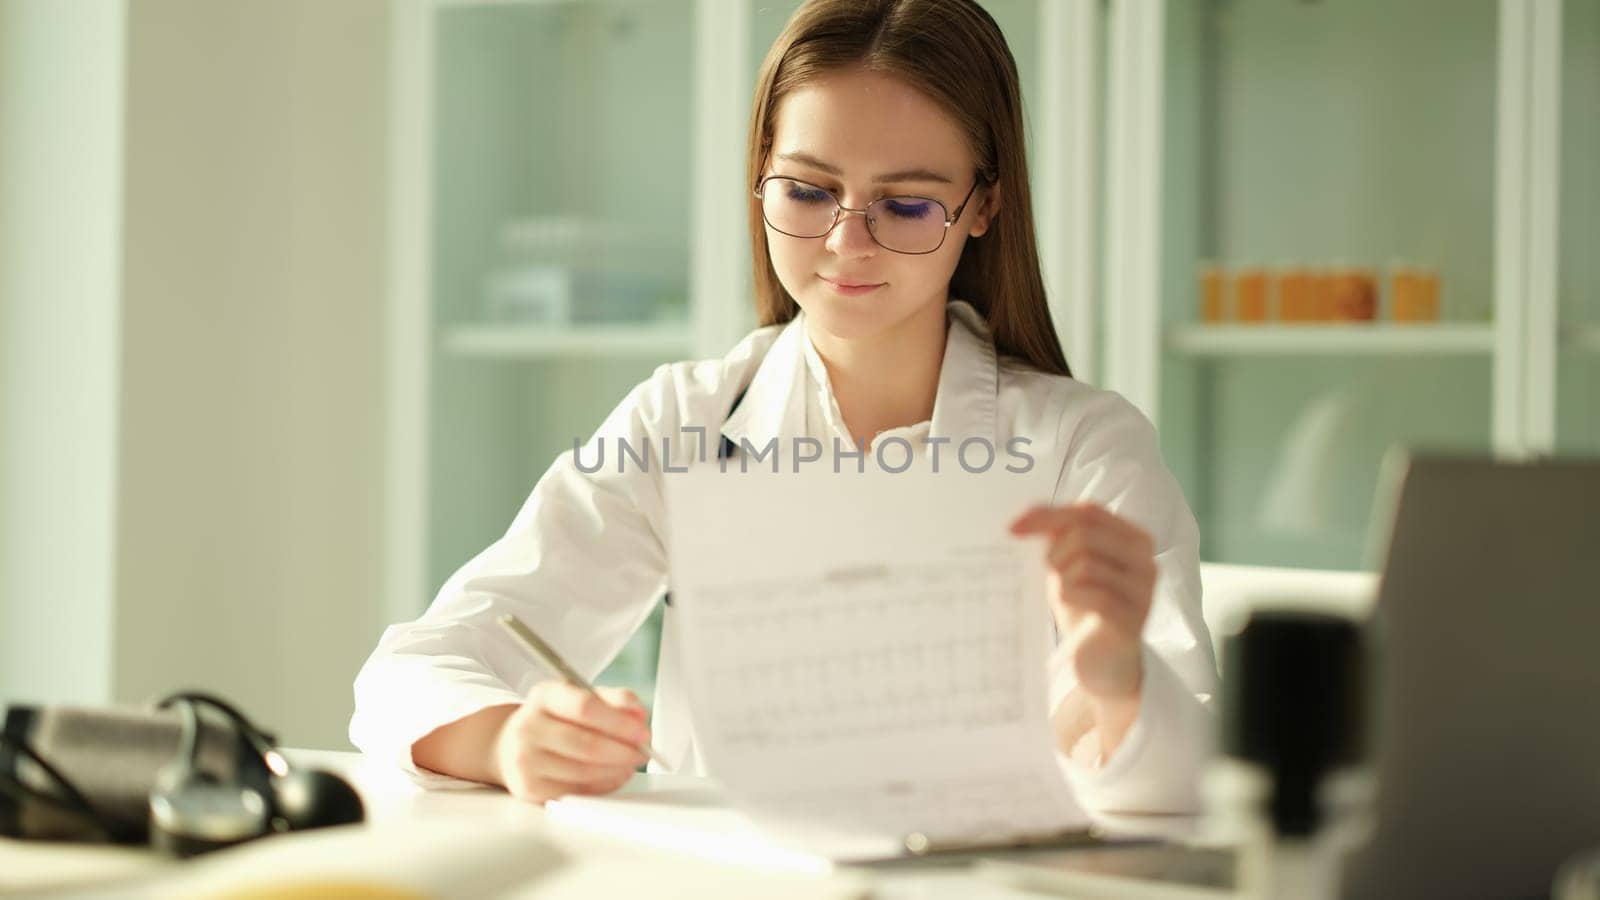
(112, 756)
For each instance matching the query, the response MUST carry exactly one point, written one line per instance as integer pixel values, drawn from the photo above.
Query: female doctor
(898, 287)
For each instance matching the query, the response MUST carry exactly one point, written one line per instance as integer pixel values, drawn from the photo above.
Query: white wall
(191, 422)
(251, 466)
(61, 83)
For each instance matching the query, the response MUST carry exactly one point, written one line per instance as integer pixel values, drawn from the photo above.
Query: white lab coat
(583, 562)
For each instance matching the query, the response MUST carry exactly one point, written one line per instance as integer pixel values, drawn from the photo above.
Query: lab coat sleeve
(1113, 459)
(582, 564)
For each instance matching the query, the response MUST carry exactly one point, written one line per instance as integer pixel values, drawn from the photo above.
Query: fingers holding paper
(564, 740)
(1102, 580)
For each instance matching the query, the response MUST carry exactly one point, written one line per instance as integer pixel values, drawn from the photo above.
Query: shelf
(1337, 339)
(519, 340)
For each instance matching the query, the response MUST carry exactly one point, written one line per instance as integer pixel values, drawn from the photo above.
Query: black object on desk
(108, 757)
(1294, 704)
(127, 775)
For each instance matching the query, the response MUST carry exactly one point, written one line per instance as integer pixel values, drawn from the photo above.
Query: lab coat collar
(969, 379)
(774, 403)
(964, 406)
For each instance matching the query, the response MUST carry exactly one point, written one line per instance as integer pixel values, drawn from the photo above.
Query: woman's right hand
(564, 740)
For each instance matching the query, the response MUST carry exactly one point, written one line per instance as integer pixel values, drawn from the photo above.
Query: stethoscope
(726, 448)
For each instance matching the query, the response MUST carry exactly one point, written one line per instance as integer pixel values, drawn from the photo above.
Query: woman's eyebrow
(807, 159)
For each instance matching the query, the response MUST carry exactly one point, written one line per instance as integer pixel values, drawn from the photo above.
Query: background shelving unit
(1366, 339)
(1251, 133)
(533, 341)
(1455, 133)
(523, 129)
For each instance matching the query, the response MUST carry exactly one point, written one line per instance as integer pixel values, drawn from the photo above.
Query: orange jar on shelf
(1250, 293)
(1213, 294)
(1414, 295)
(1355, 295)
(1323, 289)
(1297, 299)
(1430, 294)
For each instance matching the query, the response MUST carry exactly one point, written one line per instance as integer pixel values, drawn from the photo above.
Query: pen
(547, 655)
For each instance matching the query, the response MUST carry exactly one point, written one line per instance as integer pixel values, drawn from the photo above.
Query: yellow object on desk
(318, 890)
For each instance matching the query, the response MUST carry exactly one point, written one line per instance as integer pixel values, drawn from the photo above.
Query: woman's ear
(984, 215)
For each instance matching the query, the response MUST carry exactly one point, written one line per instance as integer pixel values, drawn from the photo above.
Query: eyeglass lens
(903, 224)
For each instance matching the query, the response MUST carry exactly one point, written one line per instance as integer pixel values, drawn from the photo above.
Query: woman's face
(862, 136)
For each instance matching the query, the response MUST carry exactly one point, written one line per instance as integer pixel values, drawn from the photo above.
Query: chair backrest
(1229, 592)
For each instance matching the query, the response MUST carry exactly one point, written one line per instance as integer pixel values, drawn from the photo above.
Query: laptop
(1488, 626)
(1487, 743)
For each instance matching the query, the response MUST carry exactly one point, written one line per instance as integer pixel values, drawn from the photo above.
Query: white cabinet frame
(1527, 174)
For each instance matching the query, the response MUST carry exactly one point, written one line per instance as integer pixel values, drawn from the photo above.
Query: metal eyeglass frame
(840, 209)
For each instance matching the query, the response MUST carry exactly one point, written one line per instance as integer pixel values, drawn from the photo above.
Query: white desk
(461, 843)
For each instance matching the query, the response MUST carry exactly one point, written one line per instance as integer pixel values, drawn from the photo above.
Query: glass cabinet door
(559, 241)
(1578, 264)
(1327, 240)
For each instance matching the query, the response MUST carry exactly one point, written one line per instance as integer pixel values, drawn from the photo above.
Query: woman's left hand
(1102, 579)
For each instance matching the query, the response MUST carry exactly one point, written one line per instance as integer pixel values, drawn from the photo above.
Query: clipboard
(686, 814)
(920, 846)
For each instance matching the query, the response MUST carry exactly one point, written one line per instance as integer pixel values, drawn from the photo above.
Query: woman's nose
(850, 236)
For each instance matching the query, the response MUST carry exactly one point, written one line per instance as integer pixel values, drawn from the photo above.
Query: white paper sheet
(866, 652)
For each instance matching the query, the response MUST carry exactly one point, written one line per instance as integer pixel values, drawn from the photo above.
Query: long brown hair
(953, 51)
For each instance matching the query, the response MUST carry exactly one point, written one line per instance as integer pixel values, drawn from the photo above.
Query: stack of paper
(866, 658)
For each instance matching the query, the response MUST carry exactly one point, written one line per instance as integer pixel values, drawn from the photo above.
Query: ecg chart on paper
(861, 652)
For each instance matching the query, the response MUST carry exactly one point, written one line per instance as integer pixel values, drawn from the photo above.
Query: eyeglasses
(903, 224)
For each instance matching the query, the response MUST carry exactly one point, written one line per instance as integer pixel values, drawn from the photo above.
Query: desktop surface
(483, 842)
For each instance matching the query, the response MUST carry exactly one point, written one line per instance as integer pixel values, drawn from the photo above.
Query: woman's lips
(850, 288)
